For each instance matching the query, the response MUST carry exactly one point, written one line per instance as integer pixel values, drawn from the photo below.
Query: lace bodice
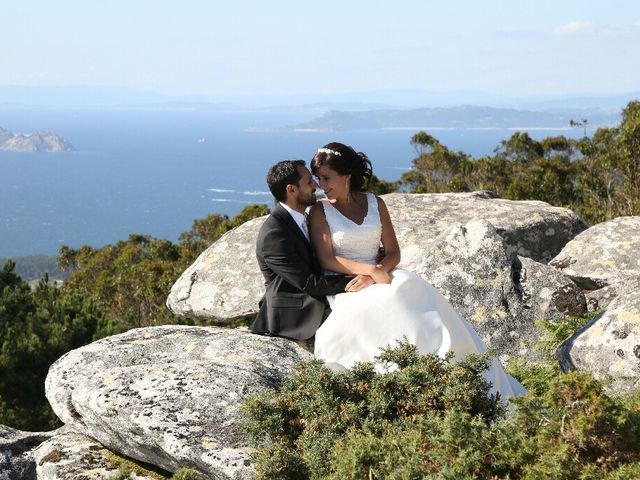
(350, 240)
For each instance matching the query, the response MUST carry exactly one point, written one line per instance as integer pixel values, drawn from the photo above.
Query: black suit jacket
(294, 304)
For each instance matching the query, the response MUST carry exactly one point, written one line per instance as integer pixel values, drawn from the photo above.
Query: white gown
(362, 323)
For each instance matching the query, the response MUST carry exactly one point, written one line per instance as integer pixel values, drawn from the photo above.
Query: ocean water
(154, 172)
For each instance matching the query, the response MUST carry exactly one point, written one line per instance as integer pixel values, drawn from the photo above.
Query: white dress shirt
(299, 218)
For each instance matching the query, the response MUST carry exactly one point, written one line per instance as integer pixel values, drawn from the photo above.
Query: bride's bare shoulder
(316, 209)
(381, 203)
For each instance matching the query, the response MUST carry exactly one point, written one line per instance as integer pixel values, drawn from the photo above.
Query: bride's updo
(346, 161)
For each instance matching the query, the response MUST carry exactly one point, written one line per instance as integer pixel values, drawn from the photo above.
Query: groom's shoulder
(278, 216)
(275, 221)
(273, 231)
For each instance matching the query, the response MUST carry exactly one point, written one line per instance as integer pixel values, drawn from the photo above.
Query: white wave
(256, 193)
(220, 190)
(228, 200)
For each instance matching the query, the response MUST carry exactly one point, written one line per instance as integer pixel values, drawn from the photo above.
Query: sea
(154, 171)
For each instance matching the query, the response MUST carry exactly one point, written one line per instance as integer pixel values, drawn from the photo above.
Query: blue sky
(240, 47)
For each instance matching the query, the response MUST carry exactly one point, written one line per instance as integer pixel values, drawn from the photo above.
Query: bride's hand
(379, 275)
(359, 282)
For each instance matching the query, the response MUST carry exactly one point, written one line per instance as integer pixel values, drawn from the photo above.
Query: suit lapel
(292, 225)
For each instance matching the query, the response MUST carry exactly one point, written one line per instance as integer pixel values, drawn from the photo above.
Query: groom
(294, 305)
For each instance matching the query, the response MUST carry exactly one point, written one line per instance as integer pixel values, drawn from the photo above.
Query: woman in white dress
(348, 229)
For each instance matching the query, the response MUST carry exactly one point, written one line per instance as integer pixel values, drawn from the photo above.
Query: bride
(348, 229)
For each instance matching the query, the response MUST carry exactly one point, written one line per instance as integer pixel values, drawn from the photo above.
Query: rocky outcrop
(170, 396)
(605, 260)
(225, 283)
(605, 254)
(501, 294)
(44, 141)
(529, 228)
(73, 456)
(17, 452)
(609, 345)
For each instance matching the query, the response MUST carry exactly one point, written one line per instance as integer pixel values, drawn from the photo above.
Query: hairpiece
(328, 151)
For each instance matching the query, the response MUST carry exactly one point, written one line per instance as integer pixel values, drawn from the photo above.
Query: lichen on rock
(170, 396)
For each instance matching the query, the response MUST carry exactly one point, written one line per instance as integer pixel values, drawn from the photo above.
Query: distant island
(44, 141)
(464, 116)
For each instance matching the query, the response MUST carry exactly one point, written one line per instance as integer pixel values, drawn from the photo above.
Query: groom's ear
(290, 189)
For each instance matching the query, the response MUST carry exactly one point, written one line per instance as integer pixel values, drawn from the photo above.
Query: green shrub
(37, 326)
(308, 422)
(536, 375)
(435, 418)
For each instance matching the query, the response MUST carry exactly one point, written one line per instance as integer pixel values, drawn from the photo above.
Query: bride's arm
(389, 240)
(321, 241)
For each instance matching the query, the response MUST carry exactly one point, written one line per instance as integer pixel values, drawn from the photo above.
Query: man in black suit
(294, 305)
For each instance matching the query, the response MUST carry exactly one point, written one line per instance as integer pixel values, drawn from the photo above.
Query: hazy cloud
(572, 27)
(637, 23)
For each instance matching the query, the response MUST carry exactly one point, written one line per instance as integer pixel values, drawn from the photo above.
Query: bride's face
(335, 186)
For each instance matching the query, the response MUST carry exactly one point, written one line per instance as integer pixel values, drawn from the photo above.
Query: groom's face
(306, 188)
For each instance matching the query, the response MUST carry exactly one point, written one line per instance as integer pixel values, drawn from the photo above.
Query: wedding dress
(362, 323)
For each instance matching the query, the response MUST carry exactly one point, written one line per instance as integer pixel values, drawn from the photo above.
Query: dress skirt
(410, 309)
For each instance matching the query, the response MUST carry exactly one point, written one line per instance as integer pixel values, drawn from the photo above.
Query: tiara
(328, 151)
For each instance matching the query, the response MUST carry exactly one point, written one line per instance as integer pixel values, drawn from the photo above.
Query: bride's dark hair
(346, 161)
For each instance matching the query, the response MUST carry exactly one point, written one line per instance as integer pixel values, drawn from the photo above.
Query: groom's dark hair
(282, 174)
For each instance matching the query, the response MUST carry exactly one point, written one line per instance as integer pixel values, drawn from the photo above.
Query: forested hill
(464, 116)
(32, 267)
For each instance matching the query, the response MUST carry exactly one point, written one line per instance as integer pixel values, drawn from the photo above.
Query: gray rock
(609, 345)
(17, 450)
(70, 456)
(530, 228)
(500, 294)
(225, 283)
(547, 294)
(170, 396)
(597, 299)
(470, 266)
(602, 255)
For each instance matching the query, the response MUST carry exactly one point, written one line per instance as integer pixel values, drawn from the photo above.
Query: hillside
(464, 116)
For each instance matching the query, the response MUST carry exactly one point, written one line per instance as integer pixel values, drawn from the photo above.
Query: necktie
(305, 226)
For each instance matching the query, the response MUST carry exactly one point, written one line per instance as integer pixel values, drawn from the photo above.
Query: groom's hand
(358, 283)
